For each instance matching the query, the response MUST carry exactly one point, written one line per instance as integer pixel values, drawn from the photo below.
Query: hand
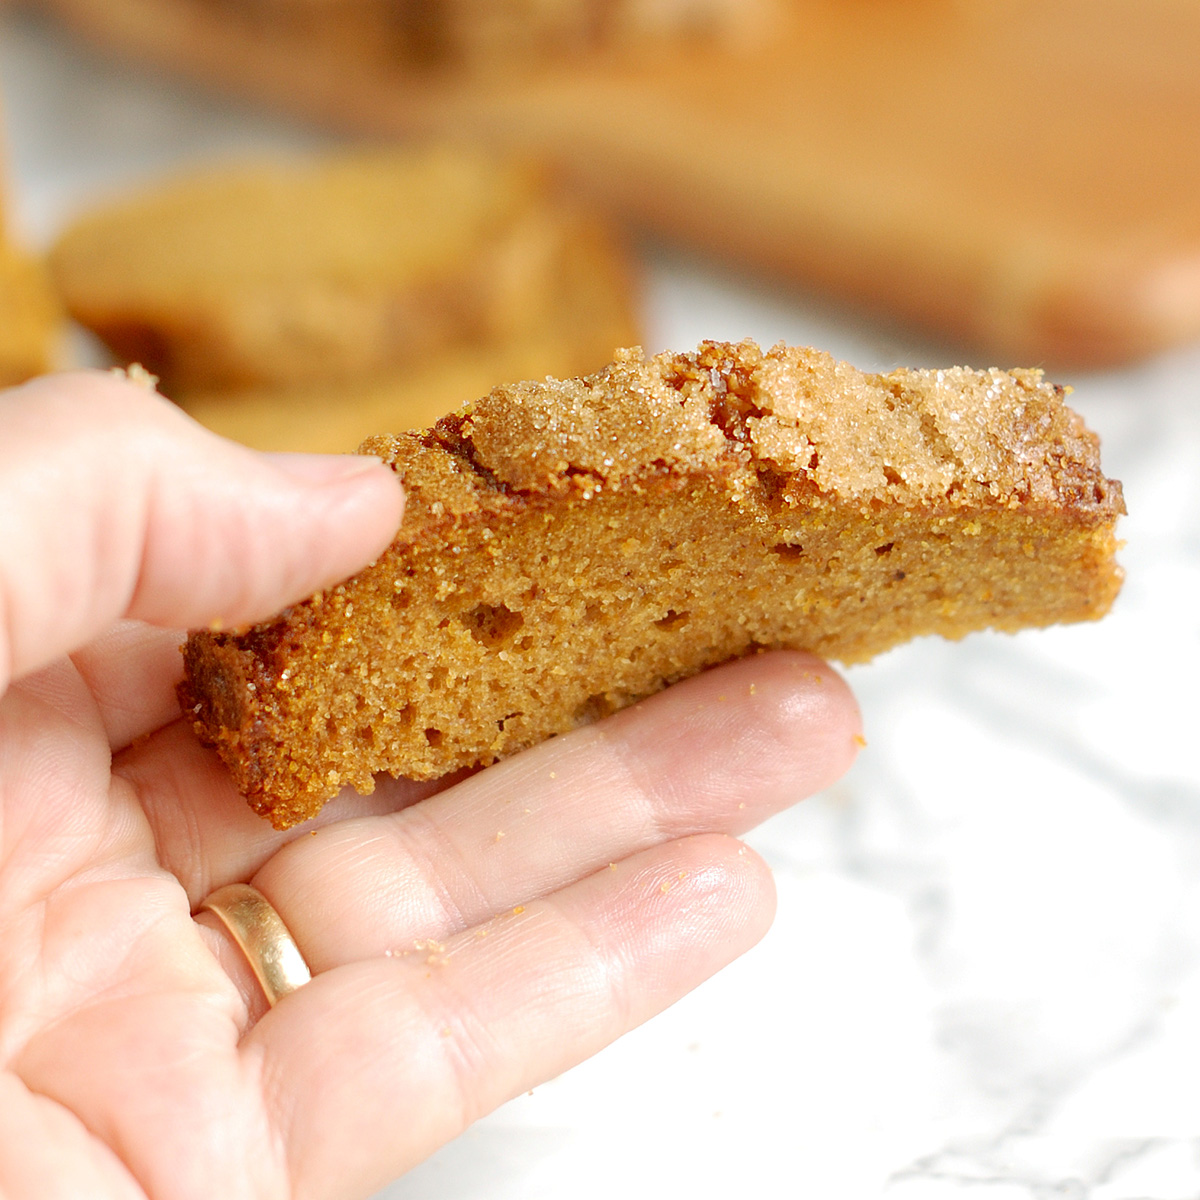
(467, 940)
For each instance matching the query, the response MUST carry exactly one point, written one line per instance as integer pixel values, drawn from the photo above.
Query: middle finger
(717, 753)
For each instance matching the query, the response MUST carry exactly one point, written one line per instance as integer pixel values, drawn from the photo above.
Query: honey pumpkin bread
(570, 547)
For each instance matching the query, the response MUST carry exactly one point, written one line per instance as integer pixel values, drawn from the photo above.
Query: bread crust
(571, 547)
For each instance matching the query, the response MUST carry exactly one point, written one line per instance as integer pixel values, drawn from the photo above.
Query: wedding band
(264, 939)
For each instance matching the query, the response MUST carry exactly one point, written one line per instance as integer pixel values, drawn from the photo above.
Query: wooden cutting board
(1019, 179)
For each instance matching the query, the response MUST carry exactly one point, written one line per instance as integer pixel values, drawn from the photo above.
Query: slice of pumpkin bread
(570, 547)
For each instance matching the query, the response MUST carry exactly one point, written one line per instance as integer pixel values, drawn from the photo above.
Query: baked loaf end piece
(570, 547)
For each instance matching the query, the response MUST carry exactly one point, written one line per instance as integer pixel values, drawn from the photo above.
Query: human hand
(467, 939)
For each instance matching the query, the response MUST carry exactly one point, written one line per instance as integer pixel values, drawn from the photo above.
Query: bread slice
(293, 275)
(570, 547)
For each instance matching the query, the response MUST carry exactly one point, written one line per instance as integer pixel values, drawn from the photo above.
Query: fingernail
(324, 468)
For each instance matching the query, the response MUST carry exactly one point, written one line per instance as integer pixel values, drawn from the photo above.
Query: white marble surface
(984, 979)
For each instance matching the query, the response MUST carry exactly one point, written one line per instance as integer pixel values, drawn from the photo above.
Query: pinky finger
(373, 1066)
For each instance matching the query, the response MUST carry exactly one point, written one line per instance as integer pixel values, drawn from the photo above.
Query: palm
(466, 941)
(121, 1029)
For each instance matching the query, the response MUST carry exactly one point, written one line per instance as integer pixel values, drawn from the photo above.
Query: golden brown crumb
(570, 547)
(136, 374)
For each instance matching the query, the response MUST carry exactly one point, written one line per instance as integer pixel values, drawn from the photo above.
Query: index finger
(116, 504)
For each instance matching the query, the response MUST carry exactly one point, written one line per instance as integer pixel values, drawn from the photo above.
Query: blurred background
(317, 219)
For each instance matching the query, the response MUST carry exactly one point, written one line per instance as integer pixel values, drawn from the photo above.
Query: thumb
(114, 503)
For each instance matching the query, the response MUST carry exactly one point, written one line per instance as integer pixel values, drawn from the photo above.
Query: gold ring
(259, 930)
